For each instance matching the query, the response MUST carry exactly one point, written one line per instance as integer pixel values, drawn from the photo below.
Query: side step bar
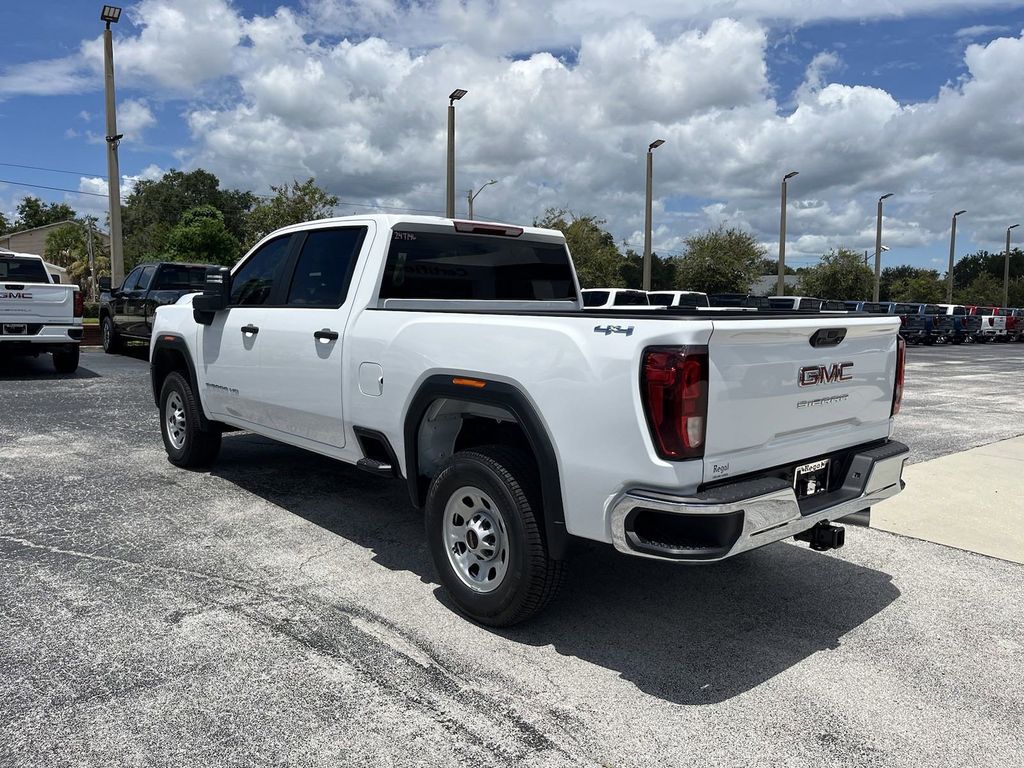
(378, 468)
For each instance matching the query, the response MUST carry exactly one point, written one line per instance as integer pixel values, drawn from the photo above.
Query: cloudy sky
(921, 98)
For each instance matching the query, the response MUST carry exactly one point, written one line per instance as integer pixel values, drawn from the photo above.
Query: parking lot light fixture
(111, 14)
(449, 198)
(878, 247)
(952, 251)
(1006, 267)
(780, 289)
(648, 223)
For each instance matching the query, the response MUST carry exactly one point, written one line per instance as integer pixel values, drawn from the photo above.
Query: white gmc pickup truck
(37, 315)
(458, 356)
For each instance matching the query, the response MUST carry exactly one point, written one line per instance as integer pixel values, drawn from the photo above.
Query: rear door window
(254, 282)
(442, 265)
(324, 268)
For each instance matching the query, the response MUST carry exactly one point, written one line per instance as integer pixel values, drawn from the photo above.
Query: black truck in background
(126, 313)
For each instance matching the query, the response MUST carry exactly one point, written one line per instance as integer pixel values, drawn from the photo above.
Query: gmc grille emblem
(821, 374)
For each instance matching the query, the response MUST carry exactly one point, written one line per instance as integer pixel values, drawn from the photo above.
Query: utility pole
(449, 199)
(471, 196)
(110, 14)
(952, 253)
(92, 263)
(878, 247)
(780, 288)
(1006, 268)
(648, 218)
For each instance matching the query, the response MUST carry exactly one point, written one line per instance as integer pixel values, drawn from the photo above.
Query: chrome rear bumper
(740, 516)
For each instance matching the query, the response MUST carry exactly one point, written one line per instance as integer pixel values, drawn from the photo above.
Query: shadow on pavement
(686, 634)
(28, 368)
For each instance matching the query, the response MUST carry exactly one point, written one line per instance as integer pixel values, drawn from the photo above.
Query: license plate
(811, 479)
(14, 329)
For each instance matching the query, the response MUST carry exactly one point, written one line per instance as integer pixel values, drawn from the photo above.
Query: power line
(52, 189)
(54, 170)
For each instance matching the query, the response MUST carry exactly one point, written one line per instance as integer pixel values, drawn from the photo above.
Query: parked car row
(921, 323)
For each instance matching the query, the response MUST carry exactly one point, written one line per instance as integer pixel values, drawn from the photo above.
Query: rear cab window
(664, 299)
(631, 299)
(22, 270)
(459, 266)
(180, 277)
(595, 298)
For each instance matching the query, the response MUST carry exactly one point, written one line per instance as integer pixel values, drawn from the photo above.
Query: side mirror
(215, 297)
(104, 283)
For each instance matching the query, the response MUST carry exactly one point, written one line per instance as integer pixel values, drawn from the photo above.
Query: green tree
(33, 212)
(68, 247)
(984, 290)
(594, 253)
(841, 274)
(5, 225)
(920, 286)
(155, 207)
(1016, 293)
(202, 236)
(720, 261)
(293, 204)
(769, 266)
(663, 271)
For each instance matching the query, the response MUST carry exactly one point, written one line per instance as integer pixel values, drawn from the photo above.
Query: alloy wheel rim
(476, 539)
(174, 418)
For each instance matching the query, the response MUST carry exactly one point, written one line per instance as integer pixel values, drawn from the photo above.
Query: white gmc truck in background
(458, 356)
(37, 315)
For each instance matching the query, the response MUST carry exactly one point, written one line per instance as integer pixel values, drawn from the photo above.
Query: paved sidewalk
(971, 500)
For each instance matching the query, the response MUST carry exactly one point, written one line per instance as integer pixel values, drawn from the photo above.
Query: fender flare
(513, 400)
(166, 341)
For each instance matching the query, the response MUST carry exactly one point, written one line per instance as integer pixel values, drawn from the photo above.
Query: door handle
(325, 334)
(250, 330)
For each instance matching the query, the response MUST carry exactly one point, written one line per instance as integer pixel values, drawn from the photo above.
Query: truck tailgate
(775, 399)
(36, 303)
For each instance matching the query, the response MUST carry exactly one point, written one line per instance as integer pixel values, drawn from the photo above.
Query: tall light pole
(952, 252)
(780, 288)
(472, 196)
(1006, 267)
(449, 205)
(647, 212)
(110, 15)
(878, 247)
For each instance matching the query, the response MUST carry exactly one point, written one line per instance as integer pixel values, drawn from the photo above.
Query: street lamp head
(1012, 226)
(790, 175)
(655, 144)
(959, 212)
(110, 14)
(885, 248)
(886, 195)
(457, 94)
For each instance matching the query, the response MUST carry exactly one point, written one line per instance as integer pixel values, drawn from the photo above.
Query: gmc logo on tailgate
(15, 295)
(821, 374)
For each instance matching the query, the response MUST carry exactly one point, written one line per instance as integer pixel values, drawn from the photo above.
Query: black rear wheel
(66, 360)
(484, 532)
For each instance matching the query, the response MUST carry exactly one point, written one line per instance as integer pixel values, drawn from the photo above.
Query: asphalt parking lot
(282, 609)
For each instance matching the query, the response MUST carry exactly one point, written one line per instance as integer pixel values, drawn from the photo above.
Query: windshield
(932, 309)
(906, 309)
(983, 311)
(447, 265)
(22, 270)
(875, 308)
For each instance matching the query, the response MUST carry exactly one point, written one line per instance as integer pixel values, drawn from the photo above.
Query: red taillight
(901, 365)
(674, 388)
(79, 304)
